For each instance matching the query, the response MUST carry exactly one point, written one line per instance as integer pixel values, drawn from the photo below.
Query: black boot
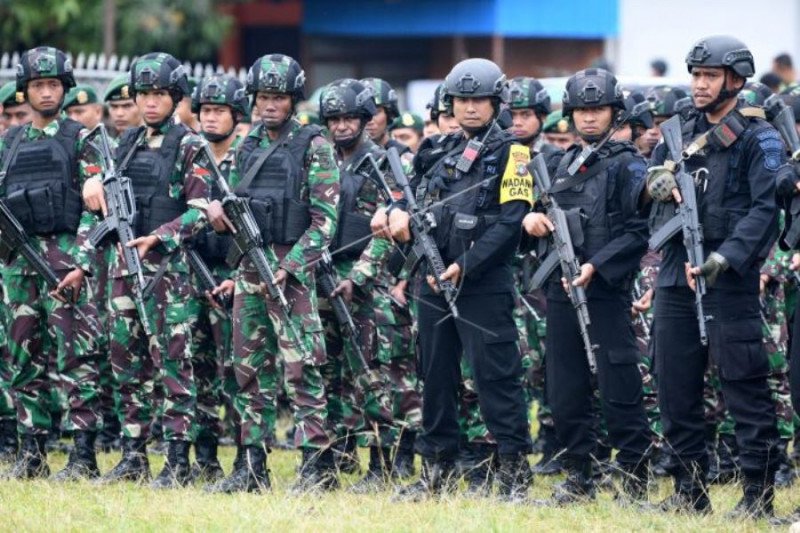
(133, 466)
(579, 487)
(786, 474)
(404, 457)
(8, 441)
(108, 438)
(250, 475)
(345, 455)
(550, 464)
(660, 463)
(82, 462)
(727, 461)
(379, 474)
(206, 467)
(31, 460)
(438, 478)
(757, 500)
(514, 477)
(690, 496)
(634, 483)
(177, 471)
(317, 472)
(477, 466)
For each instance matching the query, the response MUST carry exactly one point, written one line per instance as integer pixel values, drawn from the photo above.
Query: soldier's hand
(225, 287)
(143, 244)
(452, 273)
(398, 292)
(94, 196)
(74, 280)
(379, 225)
(344, 289)
(399, 225)
(537, 225)
(763, 280)
(795, 263)
(661, 184)
(583, 279)
(280, 278)
(643, 304)
(218, 219)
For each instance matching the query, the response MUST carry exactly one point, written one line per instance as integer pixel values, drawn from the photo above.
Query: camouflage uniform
(646, 281)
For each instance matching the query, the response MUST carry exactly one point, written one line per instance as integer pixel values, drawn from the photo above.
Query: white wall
(668, 28)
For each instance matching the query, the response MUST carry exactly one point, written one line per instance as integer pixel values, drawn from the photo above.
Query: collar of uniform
(48, 131)
(162, 130)
(260, 132)
(230, 155)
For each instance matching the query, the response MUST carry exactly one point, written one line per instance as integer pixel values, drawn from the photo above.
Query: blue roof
(577, 19)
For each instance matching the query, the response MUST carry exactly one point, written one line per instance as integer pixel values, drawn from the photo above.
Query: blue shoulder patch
(771, 144)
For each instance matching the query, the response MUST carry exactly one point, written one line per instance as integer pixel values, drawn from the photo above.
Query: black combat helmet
(476, 78)
(44, 62)
(592, 87)
(347, 97)
(722, 51)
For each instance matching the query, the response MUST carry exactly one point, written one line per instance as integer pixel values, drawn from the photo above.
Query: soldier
(557, 130)
(663, 103)
(478, 262)
(44, 164)
(530, 106)
(184, 113)
(441, 114)
(614, 242)
(82, 105)
(171, 189)
(282, 164)
(407, 130)
(16, 110)
(122, 109)
(388, 110)
(738, 219)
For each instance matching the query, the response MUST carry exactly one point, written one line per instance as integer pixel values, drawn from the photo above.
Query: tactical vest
(213, 246)
(41, 180)
(149, 171)
(468, 203)
(281, 213)
(353, 229)
(593, 200)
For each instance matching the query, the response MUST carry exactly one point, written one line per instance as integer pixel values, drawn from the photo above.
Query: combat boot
(8, 441)
(345, 455)
(660, 463)
(108, 437)
(177, 471)
(206, 467)
(550, 464)
(727, 453)
(404, 457)
(690, 496)
(634, 483)
(477, 466)
(82, 462)
(250, 475)
(514, 477)
(317, 472)
(579, 487)
(379, 474)
(31, 460)
(438, 478)
(757, 499)
(134, 465)
(786, 474)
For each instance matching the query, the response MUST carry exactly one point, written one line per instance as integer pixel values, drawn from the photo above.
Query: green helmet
(118, 89)
(408, 120)
(347, 97)
(556, 123)
(221, 89)
(277, 73)
(662, 99)
(10, 96)
(385, 96)
(529, 93)
(80, 95)
(158, 70)
(755, 93)
(44, 62)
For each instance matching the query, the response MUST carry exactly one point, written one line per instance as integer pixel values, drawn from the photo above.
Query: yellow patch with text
(517, 182)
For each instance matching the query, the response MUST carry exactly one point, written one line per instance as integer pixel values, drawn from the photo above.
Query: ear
(736, 82)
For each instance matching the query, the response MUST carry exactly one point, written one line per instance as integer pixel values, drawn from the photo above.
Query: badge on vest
(517, 183)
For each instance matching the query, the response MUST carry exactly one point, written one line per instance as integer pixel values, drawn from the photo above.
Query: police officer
(737, 213)
(483, 189)
(605, 192)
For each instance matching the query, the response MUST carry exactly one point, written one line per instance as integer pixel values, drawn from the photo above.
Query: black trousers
(487, 335)
(570, 385)
(735, 344)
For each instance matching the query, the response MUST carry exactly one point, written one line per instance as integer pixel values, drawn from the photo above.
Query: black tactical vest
(41, 180)
(149, 171)
(212, 246)
(278, 207)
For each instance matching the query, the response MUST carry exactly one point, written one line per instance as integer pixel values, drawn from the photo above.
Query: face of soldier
(155, 106)
(648, 140)
(525, 123)
(447, 124)
(430, 129)
(344, 128)
(215, 118)
(625, 133)
(707, 83)
(184, 112)
(376, 127)
(592, 121)
(89, 115)
(472, 113)
(124, 114)
(407, 136)
(45, 95)
(273, 109)
(560, 140)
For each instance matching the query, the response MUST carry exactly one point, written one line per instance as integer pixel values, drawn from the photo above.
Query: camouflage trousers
(649, 386)
(7, 411)
(396, 341)
(41, 329)
(359, 399)
(529, 316)
(261, 345)
(108, 408)
(141, 363)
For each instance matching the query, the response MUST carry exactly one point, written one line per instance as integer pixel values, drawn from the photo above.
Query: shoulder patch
(773, 148)
(517, 182)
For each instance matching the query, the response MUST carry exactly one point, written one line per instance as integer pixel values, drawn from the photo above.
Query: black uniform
(614, 241)
(486, 332)
(738, 218)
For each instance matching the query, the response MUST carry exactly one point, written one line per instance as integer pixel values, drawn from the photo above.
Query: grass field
(47, 506)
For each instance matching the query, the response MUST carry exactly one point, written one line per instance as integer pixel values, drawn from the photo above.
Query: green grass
(44, 505)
